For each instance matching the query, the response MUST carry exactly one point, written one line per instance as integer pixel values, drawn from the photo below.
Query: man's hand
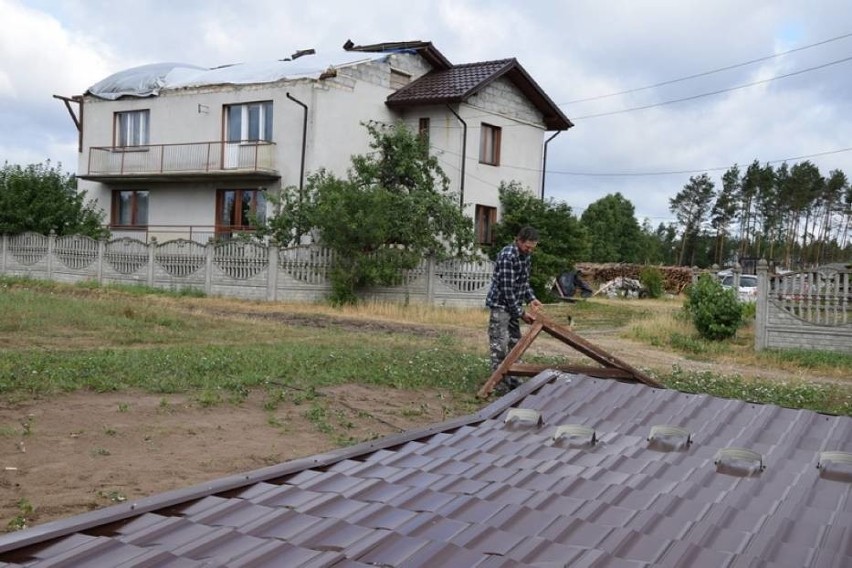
(528, 317)
(536, 306)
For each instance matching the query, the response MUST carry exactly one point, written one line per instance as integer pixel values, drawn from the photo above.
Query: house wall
(500, 104)
(337, 107)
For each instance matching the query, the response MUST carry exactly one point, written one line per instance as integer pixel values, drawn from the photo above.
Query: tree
(725, 210)
(613, 230)
(563, 239)
(691, 207)
(393, 209)
(42, 198)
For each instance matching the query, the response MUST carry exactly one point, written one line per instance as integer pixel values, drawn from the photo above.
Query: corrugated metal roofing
(507, 488)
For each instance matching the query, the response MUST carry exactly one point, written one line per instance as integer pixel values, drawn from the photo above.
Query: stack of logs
(675, 278)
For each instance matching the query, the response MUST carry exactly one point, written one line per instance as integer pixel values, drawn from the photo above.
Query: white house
(178, 151)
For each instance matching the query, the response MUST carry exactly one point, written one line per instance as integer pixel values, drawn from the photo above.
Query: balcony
(182, 162)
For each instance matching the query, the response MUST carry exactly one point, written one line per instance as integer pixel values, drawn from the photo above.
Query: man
(510, 289)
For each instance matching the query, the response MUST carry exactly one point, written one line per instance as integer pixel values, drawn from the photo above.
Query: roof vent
(834, 458)
(524, 416)
(738, 461)
(666, 437)
(575, 433)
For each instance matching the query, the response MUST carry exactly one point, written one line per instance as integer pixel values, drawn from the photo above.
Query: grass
(61, 338)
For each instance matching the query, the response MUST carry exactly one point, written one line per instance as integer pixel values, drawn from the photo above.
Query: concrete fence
(236, 269)
(806, 310)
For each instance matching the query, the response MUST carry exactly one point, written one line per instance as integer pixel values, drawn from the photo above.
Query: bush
(651, 278)
(715, 311)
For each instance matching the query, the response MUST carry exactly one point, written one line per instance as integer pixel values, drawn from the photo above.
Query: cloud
(573, 50)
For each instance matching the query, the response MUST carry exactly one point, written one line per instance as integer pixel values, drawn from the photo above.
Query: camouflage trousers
(504, 332)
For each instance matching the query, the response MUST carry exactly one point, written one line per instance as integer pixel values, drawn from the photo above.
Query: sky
(784, 92)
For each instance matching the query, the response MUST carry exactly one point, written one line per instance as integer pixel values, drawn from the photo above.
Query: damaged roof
(460, 82)
(567, 470)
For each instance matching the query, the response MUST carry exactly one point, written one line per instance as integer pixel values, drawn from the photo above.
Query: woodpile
(675, 278)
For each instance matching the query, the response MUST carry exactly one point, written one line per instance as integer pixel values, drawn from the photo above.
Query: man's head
(526, 240)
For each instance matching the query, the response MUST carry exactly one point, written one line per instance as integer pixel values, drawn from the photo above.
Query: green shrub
(715, 311)
(651, 278)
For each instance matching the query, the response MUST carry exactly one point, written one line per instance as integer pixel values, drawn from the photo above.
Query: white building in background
(179, 151)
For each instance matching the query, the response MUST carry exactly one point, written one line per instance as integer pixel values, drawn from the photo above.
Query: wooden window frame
(120, 127)
(239, 224)
(485, 218)
(490, 138)
(134, 208)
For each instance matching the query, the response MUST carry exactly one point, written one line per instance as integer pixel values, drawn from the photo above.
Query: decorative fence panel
(237, 269)
(804, 310)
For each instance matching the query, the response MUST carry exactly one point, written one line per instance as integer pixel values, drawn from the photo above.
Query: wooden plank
(531, 370)
(510, 359)
(613, 367)
(592, 351)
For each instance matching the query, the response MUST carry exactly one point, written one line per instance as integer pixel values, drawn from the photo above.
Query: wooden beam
(511, 358)
(613, 367)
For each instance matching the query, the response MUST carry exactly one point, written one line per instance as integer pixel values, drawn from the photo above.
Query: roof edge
(64, 527)
(425, 48)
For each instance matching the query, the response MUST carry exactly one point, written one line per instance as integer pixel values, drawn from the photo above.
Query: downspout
(463, 156)
(302, 167)
(544, 161)
(304, 140)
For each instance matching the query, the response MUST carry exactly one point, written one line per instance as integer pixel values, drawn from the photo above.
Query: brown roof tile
(477, 492)
(459, 82)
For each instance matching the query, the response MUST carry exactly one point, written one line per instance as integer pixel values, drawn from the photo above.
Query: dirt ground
(85, 450)
(66, 455)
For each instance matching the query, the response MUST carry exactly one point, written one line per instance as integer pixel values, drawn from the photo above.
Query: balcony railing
(175, 159)
(162, 233)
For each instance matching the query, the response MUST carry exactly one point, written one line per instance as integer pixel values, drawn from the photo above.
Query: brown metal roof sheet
(483, 492)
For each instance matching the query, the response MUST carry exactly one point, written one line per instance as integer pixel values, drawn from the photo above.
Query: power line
(711, 72)
(638, 174)
(720, 91)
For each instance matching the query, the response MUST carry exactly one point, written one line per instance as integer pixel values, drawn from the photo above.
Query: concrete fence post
(272, 273)
(430, 279)
(762, 308)
(5, 252)
(737, 271)
(102, 242)
(51, 245)
(152, 249)
(209, 250)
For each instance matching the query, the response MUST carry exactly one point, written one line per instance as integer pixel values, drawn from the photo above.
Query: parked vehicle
(747, 291)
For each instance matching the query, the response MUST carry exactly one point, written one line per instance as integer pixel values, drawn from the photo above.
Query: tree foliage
(42, 198)
(715, 311)
(393, 209)
(691, 206)
(614, 233)
(563, 239)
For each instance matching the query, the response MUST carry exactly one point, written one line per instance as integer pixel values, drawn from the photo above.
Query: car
(747, 291)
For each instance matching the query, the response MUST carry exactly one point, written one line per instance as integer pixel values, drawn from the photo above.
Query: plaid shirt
(510, 284)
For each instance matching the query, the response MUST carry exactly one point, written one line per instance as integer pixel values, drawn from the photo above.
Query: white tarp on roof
(150, 80)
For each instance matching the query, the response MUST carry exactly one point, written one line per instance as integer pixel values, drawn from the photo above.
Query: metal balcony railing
(195, 158)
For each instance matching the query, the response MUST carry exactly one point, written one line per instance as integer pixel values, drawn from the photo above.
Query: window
(131, 128)
(237, 209)
(398, 79)
(129, 208)
(251, 122)
(489, 145)
(485, 219)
